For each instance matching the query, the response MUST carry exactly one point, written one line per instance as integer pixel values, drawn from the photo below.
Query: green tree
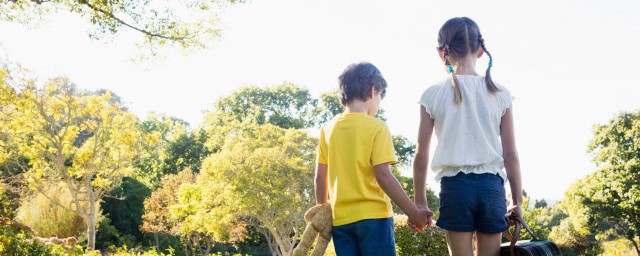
(573, 234)
(154, 160)
(615, 195)
(125, 209)
(157, 218)
(540, 204)
(541, 219)
(286, 106)
(266, 174)
(81, 140)
(9, 171)
(207, 216)
(182, 24)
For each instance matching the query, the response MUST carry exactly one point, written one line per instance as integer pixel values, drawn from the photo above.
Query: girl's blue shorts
(473, 202)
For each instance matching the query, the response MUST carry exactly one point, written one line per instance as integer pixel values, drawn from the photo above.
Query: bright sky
(568, 63)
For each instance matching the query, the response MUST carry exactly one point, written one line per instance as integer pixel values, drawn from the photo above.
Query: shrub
(432, 241)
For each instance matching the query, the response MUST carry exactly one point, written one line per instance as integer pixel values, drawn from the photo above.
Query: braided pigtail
(454, 80)
(490, 85)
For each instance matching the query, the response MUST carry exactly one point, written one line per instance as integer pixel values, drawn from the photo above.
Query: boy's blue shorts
(473, 202)
(365, 237)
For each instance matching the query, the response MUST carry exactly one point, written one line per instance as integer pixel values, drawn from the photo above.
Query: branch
(146, 32)
(56, 202)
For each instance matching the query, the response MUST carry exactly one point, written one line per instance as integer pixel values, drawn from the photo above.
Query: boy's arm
(322, 184)
(511, 161)
(421, 161)
(392, 187)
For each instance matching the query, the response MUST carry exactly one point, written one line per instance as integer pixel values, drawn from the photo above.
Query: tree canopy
(178, 23)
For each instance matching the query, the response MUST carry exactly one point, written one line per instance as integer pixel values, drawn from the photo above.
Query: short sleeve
(321, 151)
(383, 151)
(426, 100)
(505, 100)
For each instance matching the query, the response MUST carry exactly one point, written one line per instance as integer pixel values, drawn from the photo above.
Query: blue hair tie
(450, 68)
(491, 63)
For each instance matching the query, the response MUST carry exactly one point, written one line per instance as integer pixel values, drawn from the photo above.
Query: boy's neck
(357, 106)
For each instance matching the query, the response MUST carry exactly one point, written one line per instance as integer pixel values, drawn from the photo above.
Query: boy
(354, 154)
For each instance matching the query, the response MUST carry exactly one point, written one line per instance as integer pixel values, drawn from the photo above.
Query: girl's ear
(480, 52)
(441, 53)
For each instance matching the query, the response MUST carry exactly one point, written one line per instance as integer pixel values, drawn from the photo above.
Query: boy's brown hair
(357, 81)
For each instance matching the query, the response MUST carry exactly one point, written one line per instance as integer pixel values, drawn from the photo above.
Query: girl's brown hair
(459, 37)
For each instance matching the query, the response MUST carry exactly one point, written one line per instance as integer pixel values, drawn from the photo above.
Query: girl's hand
(513, 210)
(425, 215)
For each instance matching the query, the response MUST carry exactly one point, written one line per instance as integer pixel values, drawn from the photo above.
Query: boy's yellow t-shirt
(350, 145)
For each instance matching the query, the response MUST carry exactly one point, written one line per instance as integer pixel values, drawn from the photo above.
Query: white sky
(569, 64)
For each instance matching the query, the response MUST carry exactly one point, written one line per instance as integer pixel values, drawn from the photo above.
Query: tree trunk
(91, 231)
(185, 247)
(208, 248)
(155, 237)
(280, 241)
(273, 248)
(633, 240)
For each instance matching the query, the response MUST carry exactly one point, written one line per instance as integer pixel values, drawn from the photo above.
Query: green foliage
(82, 140)
(124, 213)
(12, 242)
(621, 247)
(541, 220)
(286, 106)
(107, 235)
(540, 204)
(330, 107)
(186, 152)
(432, 241)
(573, 233)
(48, 218)
(405, 150)
(180, 24)
(264, 173)
(614, 195)
(9, 200)
(160, 134)
(17, 239)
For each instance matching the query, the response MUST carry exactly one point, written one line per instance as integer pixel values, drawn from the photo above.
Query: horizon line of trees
(78, 163)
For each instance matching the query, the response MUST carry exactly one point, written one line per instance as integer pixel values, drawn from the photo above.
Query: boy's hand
(423, 220)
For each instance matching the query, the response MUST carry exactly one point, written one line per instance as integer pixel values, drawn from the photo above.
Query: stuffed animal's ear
(311, 212)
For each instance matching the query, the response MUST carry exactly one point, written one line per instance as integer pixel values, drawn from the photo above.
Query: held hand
(423, 220)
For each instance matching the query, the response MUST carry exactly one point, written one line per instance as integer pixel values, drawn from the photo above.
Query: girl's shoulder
(435, 88)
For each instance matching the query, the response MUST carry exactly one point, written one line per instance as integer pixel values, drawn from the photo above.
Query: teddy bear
(319, 223)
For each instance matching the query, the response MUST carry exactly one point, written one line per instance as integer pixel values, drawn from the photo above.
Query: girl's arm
(511, 161)
(391, 186)
(322, 184)
(421, 161)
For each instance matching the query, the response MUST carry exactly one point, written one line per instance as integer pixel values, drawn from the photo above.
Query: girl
(473, 120)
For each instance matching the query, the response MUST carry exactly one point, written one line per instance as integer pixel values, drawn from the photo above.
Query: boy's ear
(374, 92)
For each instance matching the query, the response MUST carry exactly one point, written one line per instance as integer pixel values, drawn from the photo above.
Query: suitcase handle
(516, 234)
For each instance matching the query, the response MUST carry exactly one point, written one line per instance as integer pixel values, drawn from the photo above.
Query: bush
(619, 246)
(49, 219)
(13, 241)
(432, 241)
